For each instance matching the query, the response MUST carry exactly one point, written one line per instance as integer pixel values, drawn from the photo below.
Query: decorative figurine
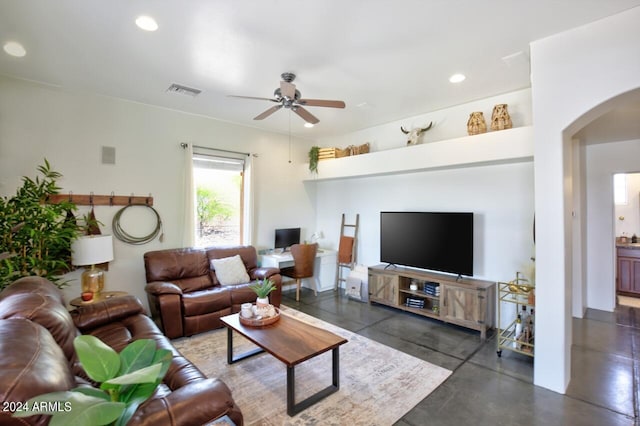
(415, 134)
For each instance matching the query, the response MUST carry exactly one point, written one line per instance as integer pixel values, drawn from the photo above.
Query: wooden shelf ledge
(499, 147)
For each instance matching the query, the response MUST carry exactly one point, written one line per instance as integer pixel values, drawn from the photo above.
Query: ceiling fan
(287, 96)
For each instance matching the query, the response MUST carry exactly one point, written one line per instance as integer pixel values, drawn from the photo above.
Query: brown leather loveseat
(185, 295)
(37, 356)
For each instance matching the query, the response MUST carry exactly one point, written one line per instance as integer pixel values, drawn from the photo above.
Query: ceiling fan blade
(267, 112)
(252, 97)
(321, 103)
(287, 89)
(306, 115)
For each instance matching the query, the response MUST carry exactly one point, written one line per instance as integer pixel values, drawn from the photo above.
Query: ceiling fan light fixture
(14, 48)
(308, 125)
(457, 78)
(288, 97)
(146, 23)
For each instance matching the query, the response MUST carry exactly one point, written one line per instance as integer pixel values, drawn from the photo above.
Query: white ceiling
(386, 59)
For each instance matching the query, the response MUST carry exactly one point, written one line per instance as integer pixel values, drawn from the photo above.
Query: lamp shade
(91, 250)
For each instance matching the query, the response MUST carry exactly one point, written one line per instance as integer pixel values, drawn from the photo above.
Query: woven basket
(342, 152)
(360, 149)
(476, 123)
(500, 118)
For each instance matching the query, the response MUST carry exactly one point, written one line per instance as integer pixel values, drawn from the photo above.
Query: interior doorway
(626, 195)
(608, 142)
(626, 190)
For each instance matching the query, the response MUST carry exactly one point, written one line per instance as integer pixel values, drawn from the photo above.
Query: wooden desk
(78, 302)
(324, 269)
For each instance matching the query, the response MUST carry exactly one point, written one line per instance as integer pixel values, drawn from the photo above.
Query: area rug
(633, 302)
(378, 384)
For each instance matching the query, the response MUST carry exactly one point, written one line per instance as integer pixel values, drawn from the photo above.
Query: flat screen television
(438, 241)
(285, 238)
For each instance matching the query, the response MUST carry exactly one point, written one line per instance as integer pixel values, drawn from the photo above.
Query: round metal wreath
(123, 236)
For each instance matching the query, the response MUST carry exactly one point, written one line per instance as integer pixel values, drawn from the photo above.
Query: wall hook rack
(101, 200)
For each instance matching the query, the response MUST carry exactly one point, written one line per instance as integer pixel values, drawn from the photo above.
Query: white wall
(602, 161)
(69, 129)
(574, 74)
(501, 197)
(579, 230)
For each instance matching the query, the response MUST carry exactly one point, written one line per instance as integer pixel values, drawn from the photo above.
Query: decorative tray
(259, 322)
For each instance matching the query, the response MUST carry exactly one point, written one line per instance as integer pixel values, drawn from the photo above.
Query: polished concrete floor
(487, 390)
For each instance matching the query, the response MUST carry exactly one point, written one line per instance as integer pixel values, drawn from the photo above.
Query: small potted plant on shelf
(262, 290)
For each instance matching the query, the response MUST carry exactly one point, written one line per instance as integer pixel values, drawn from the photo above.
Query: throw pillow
(230, 270)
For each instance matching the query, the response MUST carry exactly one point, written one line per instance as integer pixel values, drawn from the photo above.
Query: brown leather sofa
(185, 296)
(37, 356)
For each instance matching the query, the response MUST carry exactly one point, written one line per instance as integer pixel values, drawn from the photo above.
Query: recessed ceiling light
(146, 23)
(308, 125)
(14, 48)
(457, 78)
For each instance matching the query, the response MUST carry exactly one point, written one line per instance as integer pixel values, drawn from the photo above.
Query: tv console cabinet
(466, 302)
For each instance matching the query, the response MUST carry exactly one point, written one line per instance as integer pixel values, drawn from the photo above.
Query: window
(620, 189)
(219, 185)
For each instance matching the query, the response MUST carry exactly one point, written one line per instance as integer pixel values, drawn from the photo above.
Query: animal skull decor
(415, 134)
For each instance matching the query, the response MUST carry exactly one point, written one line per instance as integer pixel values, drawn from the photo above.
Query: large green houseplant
(126, 380)
(36, 236)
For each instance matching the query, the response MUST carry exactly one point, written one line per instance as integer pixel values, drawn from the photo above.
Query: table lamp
(92, 250)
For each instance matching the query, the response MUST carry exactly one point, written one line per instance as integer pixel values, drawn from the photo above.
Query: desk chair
(304, 257)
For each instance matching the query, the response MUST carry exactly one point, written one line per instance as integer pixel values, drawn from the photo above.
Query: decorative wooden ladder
(346, 250)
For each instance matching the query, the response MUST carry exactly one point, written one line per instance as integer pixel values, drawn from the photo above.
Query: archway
(575, 77)
(601, 147)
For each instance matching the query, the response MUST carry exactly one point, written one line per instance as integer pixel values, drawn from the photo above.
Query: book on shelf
(414, 303)
(415, 306)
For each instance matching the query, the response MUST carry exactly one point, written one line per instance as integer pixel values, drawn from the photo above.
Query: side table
(78, 302)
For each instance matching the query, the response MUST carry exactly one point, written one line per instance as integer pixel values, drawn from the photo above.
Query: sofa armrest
(166, 311)
(157, 288)
(106, 311)
(194, 404)
(263, 272)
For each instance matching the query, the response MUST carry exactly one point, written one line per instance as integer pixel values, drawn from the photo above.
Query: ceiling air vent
(183, 90)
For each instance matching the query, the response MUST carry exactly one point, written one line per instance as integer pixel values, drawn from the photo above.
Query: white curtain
(189, 219)
(247, 235)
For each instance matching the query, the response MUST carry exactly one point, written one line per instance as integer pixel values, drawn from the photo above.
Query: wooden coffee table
(292, 342)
